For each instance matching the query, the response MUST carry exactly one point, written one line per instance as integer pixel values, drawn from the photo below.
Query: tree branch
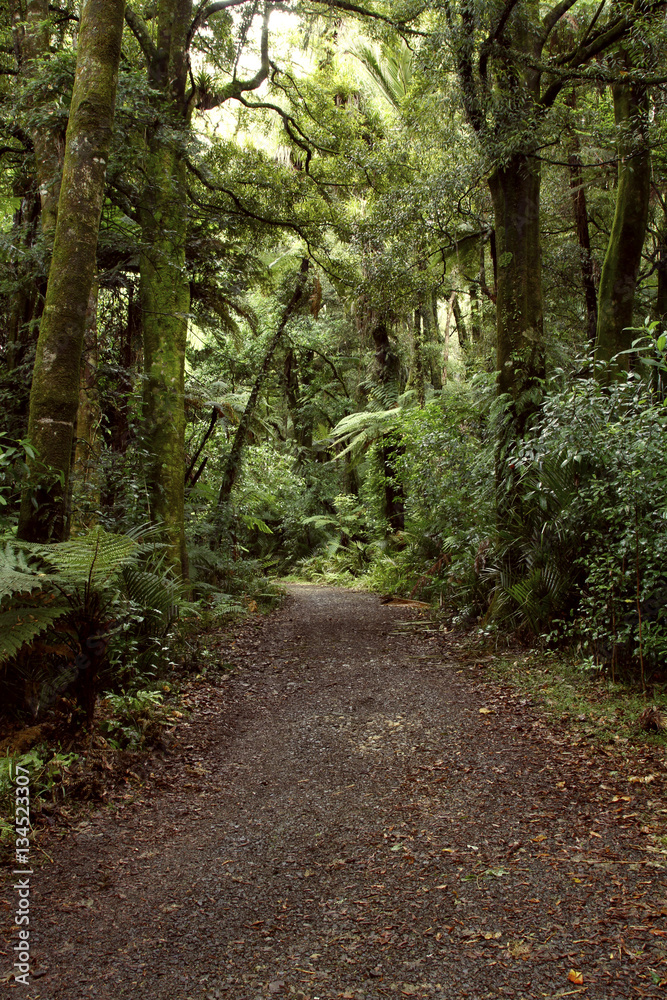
(353, 8)
(607, 37)
(553, 17)
(137, 26)
(235, 88)
(495, 35)
(207, 11)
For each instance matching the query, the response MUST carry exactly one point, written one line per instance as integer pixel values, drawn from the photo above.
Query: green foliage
(593, 545)
(100, 600)
(133, 716)
(48, 769)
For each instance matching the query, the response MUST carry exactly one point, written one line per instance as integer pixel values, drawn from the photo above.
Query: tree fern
(91, 560)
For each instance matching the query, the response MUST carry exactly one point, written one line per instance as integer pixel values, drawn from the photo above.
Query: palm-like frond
(390, 70)
(360, 430)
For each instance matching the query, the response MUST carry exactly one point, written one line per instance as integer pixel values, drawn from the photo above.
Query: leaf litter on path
(297, 844)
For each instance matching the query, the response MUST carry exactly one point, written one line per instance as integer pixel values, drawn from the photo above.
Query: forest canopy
(367, 292)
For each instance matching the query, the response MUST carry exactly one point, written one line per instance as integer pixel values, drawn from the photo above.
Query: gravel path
(339, 820)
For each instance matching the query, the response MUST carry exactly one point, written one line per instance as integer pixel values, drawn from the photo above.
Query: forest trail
(338, 819)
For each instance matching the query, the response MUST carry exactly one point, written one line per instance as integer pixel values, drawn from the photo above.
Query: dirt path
(339, 820)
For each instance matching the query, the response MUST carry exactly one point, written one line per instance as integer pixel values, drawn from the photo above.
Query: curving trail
(338, 820)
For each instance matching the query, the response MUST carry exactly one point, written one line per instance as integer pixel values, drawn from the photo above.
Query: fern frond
(95, 557)
(19, 626)
(19, 573)
(155, 592)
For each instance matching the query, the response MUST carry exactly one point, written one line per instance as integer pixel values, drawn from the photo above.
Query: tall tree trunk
(520, 354)
(387, 372)
(417, 380)
(47, 141)
(165, 305)
(432, 339)
(461, 328)
(623, 258)
(660, 309)
(580, 211)
(515, 191)
(40, 188)
(233, 464)
(86, 473)
(54, 398)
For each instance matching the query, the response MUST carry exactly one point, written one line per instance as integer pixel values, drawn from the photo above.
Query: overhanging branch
(138, 27)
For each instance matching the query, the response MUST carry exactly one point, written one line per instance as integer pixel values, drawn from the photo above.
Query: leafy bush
(592, 542)
(132, 718)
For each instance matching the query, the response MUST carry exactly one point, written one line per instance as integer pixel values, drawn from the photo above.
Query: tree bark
(165, 305)
(660, 310)
(54, 396)
(462, 330)
(580, 211)
(86, 473)
(165, 286)
(47, 141)
(386, 372)
(39, 188)
(623, 258)
(520, 358)
(520, 352)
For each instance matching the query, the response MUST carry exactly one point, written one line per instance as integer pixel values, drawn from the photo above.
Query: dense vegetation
(370, 292)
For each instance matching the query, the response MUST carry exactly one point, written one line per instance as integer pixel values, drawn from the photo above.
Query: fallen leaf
(539, 839)
(486, 711)
(575, 977)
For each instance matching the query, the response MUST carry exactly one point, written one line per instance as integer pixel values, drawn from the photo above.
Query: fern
(19, 573)
(22, 625)
(360, 430)
(91, 560)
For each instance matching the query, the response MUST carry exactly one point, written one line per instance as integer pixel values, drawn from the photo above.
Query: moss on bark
(165, 304)
(54, 396)
(621, 264)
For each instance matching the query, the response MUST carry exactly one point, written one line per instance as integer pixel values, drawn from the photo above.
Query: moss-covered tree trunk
(580, 211)
(38, 187)
(165, 285)
(165, 304)
(618, 280)
(54, 398)
(515, 190)
(86, 473)
(417, 379)
(46, 138)
(660, 310)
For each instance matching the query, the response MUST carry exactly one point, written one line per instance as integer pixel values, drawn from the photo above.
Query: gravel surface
(338, 819)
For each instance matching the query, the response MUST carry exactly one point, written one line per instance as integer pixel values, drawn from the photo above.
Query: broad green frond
(95, 557)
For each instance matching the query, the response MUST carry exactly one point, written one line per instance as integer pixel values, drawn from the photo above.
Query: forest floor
(355, 812)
